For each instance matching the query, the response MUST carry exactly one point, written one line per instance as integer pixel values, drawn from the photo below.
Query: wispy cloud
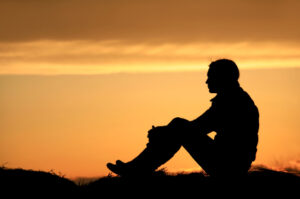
(90, 57)
(89, 36)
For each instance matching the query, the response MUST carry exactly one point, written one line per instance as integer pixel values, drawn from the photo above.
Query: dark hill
(259, 181)
(34, 183)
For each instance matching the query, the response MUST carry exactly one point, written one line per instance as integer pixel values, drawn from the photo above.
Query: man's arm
(204, 123)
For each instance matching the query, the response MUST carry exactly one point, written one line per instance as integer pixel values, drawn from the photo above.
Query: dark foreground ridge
(39, 183)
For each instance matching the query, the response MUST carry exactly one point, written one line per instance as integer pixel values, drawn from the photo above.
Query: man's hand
(156, 132)
(152, 132)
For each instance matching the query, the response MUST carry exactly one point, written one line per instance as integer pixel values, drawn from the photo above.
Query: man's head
(222, 75)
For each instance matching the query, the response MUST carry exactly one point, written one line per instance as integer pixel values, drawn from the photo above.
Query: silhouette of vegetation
(259, 180)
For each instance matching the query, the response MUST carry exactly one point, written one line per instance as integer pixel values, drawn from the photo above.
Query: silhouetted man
(232, 115)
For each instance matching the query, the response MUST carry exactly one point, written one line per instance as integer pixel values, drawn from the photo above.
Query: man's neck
(229, 89)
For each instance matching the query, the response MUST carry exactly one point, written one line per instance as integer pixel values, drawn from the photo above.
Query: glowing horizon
(75, 124)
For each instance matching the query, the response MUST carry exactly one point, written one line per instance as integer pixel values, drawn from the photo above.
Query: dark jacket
(235, 119)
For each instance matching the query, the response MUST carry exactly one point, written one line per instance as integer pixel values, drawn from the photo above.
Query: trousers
(165, 141)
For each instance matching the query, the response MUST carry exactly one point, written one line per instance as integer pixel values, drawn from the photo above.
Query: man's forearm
(199, 124)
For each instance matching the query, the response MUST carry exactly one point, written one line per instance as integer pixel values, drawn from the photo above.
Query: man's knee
(162, 137)
(178, 122)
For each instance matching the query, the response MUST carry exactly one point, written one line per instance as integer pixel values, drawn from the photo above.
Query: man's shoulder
(244, 96)
(234, 98)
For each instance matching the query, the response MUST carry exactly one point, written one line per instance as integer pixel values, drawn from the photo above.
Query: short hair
(225, 69)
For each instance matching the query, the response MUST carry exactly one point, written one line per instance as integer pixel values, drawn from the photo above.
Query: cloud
(93, 57)
(100, 36)
(150, 21)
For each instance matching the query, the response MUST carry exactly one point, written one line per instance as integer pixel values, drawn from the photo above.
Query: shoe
(126, 170)
(117, 169)
(120, 163)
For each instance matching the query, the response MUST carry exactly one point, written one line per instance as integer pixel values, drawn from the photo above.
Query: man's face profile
(212, 82)
(222, 76)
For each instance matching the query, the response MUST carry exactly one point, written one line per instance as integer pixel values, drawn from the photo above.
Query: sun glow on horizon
(75, 124)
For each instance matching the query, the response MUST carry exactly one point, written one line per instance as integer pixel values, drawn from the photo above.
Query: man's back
(236, 122)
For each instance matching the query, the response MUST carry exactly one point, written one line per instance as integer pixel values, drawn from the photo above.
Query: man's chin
(212, 91)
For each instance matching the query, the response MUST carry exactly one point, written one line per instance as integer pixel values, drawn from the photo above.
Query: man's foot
(117, 169)
(121, 168)
(127, 169)
(120, 163)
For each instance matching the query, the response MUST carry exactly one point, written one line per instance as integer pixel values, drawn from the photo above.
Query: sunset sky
(82, 81)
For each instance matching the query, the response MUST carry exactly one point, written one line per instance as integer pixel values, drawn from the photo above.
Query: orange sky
(75, 124)
(105, 71)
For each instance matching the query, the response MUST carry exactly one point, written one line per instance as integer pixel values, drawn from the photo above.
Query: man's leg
(164, 142)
